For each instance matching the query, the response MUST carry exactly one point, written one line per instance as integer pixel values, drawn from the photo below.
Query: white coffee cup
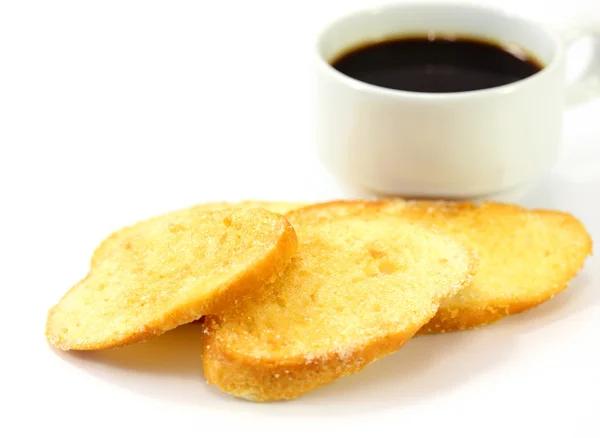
(489, 143)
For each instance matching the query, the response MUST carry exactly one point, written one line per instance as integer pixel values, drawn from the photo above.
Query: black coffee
(436, 65)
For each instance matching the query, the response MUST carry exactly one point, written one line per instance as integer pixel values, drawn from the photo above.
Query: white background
(116, 110)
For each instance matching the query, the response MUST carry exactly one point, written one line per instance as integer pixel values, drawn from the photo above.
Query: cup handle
(586, 86)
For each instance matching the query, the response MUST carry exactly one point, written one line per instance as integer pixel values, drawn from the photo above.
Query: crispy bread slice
(525, 256)
(356, 291)
(280, 207)
(168, 271)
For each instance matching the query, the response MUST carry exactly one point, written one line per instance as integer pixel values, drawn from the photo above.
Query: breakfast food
(280, 207)
(525, 256)
(171, 270)
(358, 288)
(286, 313)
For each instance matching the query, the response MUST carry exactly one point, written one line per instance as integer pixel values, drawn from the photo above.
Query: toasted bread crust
(475, 225)
(454, 316)
(264, 380)
(241, 365)
(66, 317)
(279, 207)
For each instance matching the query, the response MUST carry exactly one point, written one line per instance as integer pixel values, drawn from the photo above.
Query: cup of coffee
(446, 100)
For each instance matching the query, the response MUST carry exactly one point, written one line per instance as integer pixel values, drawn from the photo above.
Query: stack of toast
(294, 296)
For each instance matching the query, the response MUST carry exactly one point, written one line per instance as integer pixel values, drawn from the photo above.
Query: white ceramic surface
(485, 143)
(117, 110)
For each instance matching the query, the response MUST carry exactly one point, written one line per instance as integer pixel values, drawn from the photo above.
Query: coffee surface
(436, 65)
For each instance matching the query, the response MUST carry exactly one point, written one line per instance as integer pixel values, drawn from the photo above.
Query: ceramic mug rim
(325, 66)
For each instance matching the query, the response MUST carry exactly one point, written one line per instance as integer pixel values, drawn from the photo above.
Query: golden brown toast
(171, 270)
(357, 290)
(280, 207)
(525, 256)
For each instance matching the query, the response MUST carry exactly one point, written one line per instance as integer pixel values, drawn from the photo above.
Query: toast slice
(525, 256)
(280, 207)
(168, 271)
(355, 292)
